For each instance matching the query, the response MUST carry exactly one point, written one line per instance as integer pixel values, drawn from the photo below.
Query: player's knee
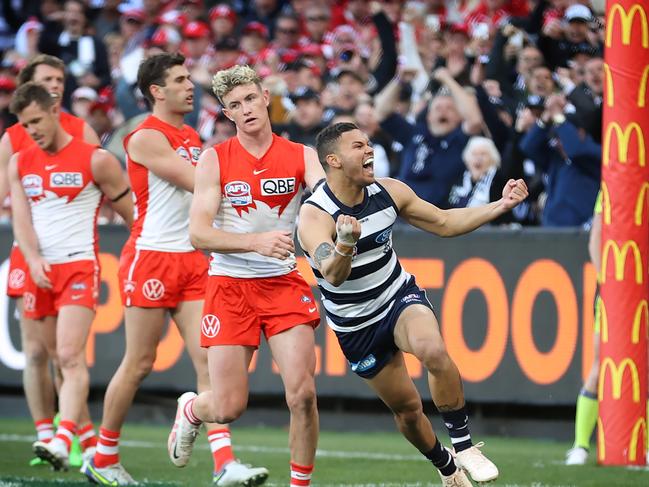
(141, 368)
(302, 399)
(435, 357)
(36, 355)
(69, 359)
(226, 411)
(409, 414)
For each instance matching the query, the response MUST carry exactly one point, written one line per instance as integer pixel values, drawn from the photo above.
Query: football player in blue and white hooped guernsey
(375, 307)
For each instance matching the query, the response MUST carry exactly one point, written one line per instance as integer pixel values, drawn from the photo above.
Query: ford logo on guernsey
(365, 364)
(238, 193)
(384, 236)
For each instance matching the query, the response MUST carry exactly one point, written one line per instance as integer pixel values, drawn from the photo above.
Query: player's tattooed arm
(322, 252)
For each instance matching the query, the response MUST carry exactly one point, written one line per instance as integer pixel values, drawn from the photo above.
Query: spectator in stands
(7, 88)
(223, 20)
(587, 99)
(431, 160)
(483, 179)
(264, 11)
(254, 40)
(317, 20)
(350, 88)
(306, 120)
(198, 52)
(570, 161)
(85, 56)
(108, 19)
(386, 159)
(82, 98)
(559, 46)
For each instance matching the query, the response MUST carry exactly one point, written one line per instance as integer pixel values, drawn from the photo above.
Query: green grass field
(344, 460)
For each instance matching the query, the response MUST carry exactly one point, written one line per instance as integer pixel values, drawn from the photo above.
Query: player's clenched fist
(514, 192)
(348, 230)
(278, 244)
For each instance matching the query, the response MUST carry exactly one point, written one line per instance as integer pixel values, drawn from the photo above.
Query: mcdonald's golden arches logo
(640, 426)
(640, 203)
(626, 20)
(606, 204)
(617, 375)
(642, 310)
(601, 444)
(610, 88)
(623, 139)
(603, 321)
(642, 88)
(620, 255)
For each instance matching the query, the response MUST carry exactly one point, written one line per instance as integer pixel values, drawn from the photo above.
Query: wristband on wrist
(349, 254)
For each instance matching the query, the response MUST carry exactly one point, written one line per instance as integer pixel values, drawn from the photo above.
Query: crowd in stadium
(457, 96)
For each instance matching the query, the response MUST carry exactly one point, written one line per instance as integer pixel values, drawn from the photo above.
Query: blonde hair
(226, 80)
(478, 141)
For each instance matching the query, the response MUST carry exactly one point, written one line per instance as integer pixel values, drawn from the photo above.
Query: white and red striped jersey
(64, 200)
(258, 195)
(161, 209)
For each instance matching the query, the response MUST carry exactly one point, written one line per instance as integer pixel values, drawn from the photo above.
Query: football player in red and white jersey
(246, 197)
(57, 186)
(38, 343)
(160, 270)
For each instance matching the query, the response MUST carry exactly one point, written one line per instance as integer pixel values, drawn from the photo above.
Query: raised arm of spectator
(410, 53)
(386, 100)
(392, 123)
(500, 133)
(466, 103)
(387, 66)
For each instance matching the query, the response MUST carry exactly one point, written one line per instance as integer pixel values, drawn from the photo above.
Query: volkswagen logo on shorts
(210, 326)
(16, 279)
(153, 289)
(29, 301)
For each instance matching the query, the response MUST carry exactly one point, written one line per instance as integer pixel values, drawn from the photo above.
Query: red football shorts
(236, 311)
(152, 279)
(73, 283)
(18, 271)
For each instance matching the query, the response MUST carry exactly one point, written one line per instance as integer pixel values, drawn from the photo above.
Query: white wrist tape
(345, 236)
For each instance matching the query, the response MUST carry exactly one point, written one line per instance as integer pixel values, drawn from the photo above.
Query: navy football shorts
(370, 349)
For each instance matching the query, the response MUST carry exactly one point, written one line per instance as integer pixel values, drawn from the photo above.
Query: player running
(160, 271)
(39, 344)
(245, 205)
(375, 307)
(56, 188)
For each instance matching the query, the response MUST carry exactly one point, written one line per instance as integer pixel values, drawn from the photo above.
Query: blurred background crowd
(457, 96)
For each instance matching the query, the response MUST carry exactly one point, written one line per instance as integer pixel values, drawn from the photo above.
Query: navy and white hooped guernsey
(367, 296)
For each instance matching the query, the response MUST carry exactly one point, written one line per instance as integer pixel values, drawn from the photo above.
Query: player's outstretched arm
(205, 206)
(316, 230)
(152, 149)
(5, 155)
(313, 172)
(24, 228)
(112, 181)
(457, 221)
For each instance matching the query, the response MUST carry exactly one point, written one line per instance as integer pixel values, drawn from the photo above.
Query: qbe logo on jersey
(277, 186)
(66, 180)
(238, 193)
(210, 326)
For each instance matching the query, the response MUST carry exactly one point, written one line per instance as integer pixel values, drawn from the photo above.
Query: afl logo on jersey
(238, 193)
(276, 186)
(66, 180)
(182, 152)
(33, 185)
